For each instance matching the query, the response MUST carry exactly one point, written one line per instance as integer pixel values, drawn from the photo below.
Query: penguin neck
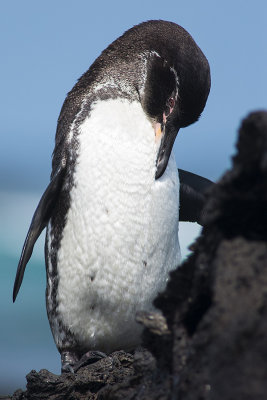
(118, 139)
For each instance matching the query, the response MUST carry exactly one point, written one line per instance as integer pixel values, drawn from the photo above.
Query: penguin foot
(68, 360)
(88, 358)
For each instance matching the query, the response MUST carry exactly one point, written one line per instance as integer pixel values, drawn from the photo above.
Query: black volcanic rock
(215, 304)
(82, 385)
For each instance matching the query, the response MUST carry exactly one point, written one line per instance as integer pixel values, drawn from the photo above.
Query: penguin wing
(40, 219)
(192, 196)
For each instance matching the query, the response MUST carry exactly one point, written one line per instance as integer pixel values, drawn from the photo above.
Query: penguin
(111, 209)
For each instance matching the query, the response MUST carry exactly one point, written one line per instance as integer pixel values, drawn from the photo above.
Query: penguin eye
(171, 102)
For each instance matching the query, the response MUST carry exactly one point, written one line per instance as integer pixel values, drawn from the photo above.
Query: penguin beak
(167, 135)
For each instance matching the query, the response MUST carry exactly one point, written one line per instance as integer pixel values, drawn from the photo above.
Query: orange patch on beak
(158, 131)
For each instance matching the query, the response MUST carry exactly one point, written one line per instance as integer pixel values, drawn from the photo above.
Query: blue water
(26, 342)
(25, 339)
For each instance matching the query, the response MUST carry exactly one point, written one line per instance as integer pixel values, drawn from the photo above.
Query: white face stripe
(176, 76)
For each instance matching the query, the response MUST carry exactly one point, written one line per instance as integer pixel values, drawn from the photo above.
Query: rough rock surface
(215, 345)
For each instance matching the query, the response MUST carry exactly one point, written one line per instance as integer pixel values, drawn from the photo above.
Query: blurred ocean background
(45, 47)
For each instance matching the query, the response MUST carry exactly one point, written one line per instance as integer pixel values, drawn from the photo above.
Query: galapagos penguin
(111, 208)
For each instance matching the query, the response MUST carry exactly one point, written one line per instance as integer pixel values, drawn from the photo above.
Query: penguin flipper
(192, 196)
(39, 221)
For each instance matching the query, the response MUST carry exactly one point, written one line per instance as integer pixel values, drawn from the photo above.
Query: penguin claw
(89, 358)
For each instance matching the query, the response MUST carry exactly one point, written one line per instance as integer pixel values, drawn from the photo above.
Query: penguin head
(177, 83)
(156, 63)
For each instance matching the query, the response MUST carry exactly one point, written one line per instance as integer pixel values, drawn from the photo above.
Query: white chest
(121, 235)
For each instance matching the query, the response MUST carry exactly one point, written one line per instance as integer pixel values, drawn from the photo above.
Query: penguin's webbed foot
(88, 358)
(68, 360)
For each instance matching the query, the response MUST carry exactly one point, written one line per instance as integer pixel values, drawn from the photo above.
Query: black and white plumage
(112, 206)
